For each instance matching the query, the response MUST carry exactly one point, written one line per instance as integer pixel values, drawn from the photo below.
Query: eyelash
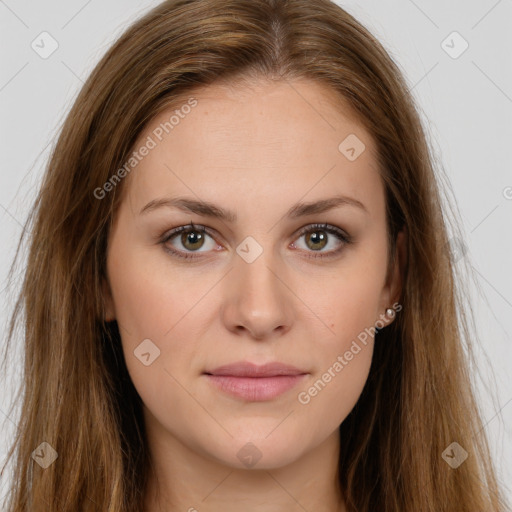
(333, 230)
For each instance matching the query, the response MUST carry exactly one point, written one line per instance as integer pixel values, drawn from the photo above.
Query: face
(288, 277)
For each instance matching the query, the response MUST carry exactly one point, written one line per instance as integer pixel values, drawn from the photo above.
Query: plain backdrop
(456, 59)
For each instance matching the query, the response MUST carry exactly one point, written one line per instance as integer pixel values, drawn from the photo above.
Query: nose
(258, 300)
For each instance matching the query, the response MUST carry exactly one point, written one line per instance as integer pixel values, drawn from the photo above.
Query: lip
(248, 369)
(255, 383)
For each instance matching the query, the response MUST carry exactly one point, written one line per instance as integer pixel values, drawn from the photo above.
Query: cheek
(349, 302)
(343, 356)
(150, 296)
(349, 306)
(333, 392)
(156, 302)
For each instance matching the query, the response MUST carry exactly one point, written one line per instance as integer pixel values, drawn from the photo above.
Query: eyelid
(330, 228)
(188, 227)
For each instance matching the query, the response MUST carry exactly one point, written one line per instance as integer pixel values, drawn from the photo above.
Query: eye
(318, 236)
(192, 238)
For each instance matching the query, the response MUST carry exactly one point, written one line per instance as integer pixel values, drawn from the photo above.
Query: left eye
(317, 237)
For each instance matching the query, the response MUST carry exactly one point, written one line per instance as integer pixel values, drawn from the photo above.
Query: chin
(255, 452)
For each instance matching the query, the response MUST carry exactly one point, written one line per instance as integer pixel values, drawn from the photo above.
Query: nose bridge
(257, 298)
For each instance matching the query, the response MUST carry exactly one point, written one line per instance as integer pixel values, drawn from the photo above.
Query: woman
(239, 292)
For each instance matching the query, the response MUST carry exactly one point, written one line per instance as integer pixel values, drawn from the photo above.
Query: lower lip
(255, 389)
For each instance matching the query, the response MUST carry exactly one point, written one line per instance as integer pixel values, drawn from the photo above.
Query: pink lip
(255, 383)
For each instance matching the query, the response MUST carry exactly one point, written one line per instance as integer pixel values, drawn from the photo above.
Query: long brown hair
(77, 395)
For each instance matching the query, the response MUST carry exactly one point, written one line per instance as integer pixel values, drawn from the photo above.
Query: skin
(256, 151)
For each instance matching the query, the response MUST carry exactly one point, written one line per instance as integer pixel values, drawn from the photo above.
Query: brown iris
(318, 239)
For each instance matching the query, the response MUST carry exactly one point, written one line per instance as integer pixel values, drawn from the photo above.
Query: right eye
(192, 237)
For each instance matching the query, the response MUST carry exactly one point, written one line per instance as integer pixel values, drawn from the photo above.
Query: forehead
(268, 139)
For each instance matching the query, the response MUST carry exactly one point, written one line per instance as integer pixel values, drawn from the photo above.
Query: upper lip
(248, 369)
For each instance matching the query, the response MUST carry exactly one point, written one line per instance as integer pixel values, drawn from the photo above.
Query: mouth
(255, 383)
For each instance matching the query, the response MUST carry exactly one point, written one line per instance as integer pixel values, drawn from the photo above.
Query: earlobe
(107, 301)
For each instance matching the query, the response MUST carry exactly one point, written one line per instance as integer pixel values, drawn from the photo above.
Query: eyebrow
(207, 209)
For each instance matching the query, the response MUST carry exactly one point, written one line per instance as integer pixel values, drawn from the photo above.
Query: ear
(393, 289)
(110, 313)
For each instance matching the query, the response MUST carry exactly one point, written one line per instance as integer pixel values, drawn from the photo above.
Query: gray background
(466, 104)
